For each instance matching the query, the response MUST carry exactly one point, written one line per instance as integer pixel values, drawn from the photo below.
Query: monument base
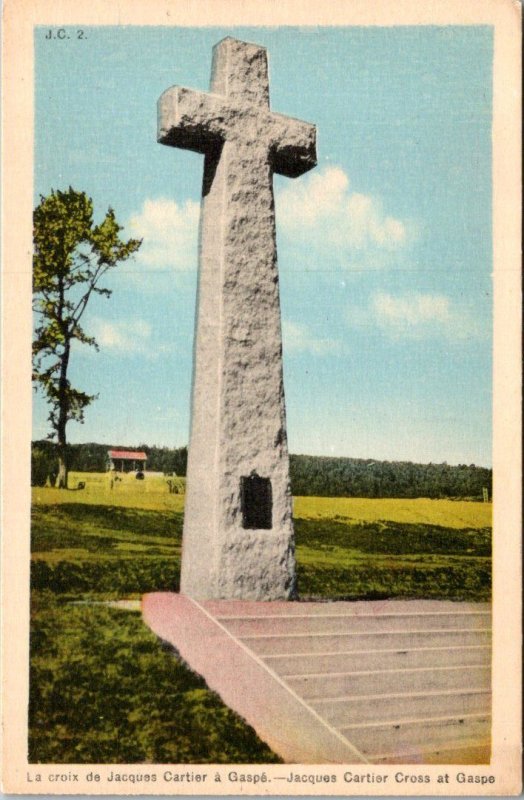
(364, 682)
(243, 565)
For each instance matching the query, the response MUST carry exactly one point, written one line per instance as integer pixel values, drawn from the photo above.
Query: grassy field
(151, 493)
(103, 689)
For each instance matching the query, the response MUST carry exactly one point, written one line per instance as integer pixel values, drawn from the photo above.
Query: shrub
(44, 467)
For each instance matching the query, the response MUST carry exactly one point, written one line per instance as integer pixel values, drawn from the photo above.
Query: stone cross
(238, 539)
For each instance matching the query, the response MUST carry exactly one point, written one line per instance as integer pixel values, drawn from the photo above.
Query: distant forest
(357, 477)
(313, 475)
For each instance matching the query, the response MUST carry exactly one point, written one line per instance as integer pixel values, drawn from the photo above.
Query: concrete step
(306, 664)
(281, 718)
(366, 682)
(384, 740)
(222, 609)
(350, 623)
(346, 642)
(388, 681)
(467, 752)
(344, 710)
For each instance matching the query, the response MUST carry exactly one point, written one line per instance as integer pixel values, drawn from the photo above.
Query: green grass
(106, 552)
(104, 689)
(103, 551)
(446, 513)
(386, 559)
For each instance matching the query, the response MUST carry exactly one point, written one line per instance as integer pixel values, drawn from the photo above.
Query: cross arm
(190, 119)
(293, 145)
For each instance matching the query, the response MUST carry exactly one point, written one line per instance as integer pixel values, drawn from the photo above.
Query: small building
(126, 460)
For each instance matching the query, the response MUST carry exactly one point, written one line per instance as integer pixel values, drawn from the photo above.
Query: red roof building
(126, 460)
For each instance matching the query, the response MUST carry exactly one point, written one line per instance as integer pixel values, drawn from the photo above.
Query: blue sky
(384, 249)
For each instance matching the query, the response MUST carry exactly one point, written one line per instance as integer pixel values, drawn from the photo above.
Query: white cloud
(411, 310)
(129, 336)
(297, 338)
(417, 315)
(322, 212)
(169, 232)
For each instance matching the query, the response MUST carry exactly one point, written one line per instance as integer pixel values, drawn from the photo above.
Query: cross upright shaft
(238, 431)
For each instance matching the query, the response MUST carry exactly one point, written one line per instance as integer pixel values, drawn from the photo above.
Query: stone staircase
(397, 681)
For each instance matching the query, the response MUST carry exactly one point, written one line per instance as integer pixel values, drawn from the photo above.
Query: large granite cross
(238, 531)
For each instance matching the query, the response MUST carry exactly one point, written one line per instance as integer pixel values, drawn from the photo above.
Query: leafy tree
(71, 256)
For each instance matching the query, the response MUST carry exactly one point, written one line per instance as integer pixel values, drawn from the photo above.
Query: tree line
(310, 475)
(355, 477)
